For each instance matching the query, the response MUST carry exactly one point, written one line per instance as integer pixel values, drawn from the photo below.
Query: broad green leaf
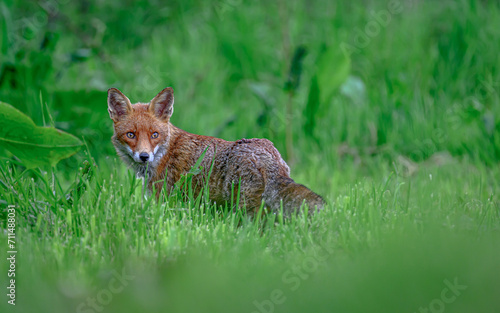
(33, 145)
(333, 68)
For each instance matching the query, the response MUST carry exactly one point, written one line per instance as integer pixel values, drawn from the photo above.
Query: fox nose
(144, 156)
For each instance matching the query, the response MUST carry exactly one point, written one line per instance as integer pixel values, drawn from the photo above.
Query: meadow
(388, 109)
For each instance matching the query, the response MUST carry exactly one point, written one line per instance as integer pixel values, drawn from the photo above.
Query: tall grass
(405, 153)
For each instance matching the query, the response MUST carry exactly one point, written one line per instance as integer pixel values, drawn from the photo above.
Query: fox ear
(163, 104)
(118, 104)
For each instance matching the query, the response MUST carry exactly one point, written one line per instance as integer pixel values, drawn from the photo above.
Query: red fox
(160, 152)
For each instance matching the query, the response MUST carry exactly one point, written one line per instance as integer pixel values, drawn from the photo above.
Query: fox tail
(284, 191)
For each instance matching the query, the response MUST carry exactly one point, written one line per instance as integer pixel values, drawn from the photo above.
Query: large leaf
(33, 145)
(333, 68)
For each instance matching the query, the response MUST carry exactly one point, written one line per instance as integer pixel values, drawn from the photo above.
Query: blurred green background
(389, 109)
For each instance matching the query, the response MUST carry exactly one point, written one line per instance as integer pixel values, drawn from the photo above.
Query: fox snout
(143, 157)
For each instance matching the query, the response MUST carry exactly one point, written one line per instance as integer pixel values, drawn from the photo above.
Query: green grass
(406, 153)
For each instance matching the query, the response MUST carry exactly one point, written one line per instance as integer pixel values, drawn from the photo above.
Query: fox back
(161, 153)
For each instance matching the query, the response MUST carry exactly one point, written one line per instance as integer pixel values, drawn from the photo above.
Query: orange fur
(146, 140)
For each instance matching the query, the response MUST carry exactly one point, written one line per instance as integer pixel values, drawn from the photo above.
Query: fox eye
(154, 135)
(131, 135)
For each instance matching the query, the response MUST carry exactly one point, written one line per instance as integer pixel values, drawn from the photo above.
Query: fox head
(141, 130)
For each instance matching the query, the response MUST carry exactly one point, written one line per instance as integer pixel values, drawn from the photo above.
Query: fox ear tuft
(162, 106)
(118, 104)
